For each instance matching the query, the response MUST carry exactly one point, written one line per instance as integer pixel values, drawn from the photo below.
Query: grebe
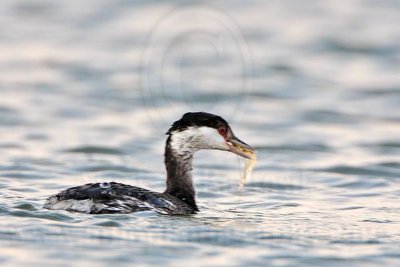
(193, 132)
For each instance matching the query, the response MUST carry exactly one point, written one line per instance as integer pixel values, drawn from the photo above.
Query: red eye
(222, 131)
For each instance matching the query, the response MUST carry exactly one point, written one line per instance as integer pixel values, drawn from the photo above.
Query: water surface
(88, 89)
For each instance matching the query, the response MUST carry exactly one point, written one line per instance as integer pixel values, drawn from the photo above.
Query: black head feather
(197, 119)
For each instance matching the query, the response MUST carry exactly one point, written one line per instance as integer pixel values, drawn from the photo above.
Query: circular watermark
(196, 59)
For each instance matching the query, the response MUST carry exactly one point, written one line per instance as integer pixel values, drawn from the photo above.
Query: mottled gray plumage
(120, 198)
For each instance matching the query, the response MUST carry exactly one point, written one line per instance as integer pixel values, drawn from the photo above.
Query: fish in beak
(240, 148)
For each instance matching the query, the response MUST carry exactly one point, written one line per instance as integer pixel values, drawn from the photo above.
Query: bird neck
(179, 165)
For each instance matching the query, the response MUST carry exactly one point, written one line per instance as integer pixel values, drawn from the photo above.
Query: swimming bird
(193, 132)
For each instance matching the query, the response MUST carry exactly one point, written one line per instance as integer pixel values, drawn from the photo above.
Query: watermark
(196, 58)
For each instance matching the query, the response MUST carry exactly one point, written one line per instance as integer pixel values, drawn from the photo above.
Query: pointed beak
(240, 148)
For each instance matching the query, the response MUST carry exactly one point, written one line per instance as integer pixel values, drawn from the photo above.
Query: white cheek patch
(196, 138)
(210, 138)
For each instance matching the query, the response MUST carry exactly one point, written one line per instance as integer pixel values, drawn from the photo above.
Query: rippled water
(88, 89)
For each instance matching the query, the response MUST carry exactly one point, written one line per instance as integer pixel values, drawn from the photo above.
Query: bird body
(100, 198)
(193, 132)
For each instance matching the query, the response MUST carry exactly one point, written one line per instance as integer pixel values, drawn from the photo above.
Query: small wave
(25, 206)
(377, 221)
(377, 91)
(362, 184)
(356, 242)
(109, 224)
(343, 46)
(275, 186)
(19, 175)
(326, 116)
(390, 164)
(384, 147)
(301, 147)
(100, 168)
(95, 150)
(42, 215)
(275, 237)
(362, 170)
(352, 208)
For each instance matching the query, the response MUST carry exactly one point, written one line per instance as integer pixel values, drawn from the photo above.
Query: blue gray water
(88, 89)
